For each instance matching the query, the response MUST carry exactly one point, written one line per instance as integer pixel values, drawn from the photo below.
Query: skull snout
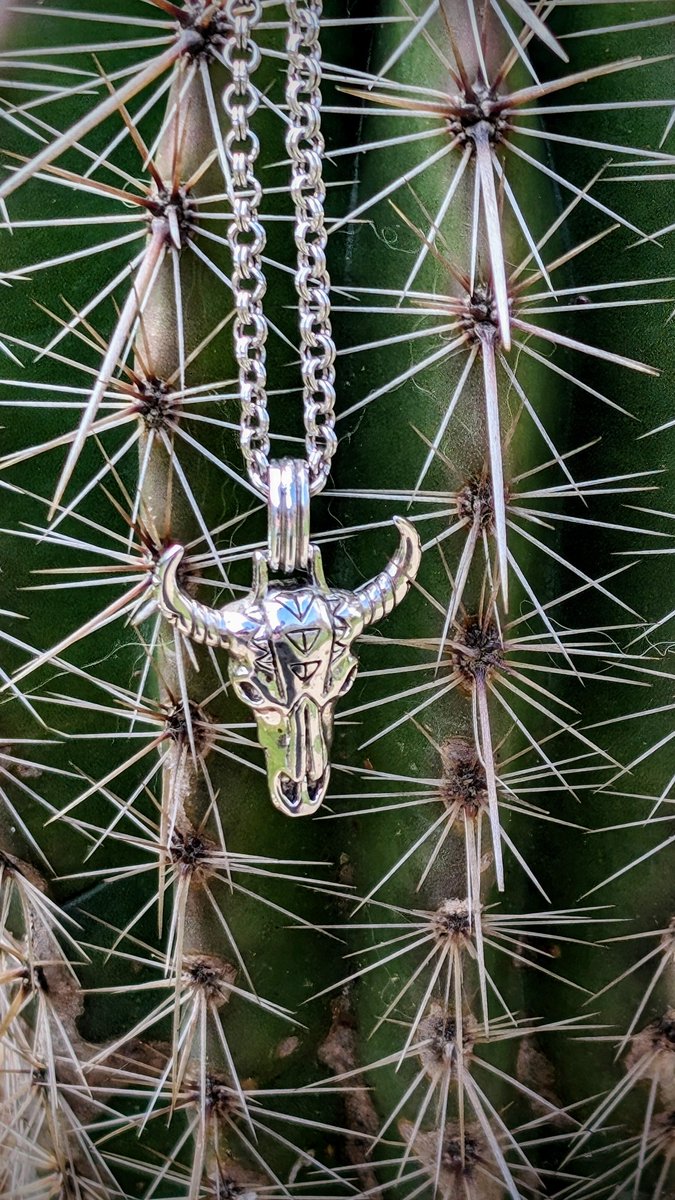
(300, 786)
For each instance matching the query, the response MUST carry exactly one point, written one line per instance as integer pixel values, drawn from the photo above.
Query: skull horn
(387, 589)
(207, 626)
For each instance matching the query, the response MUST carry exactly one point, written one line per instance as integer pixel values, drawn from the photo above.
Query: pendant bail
(288, 515)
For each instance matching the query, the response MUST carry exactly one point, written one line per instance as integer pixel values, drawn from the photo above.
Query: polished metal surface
(246, 237)
(290, 659)
(305, 147)
(288, 515)
(289, 641)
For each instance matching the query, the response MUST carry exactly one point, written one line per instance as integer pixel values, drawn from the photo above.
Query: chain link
(246, 236)
(305, 147)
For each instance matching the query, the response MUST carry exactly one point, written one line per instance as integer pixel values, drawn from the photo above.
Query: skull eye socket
(249, 692)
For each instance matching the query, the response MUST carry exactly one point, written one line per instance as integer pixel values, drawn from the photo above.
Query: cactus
(439, 986)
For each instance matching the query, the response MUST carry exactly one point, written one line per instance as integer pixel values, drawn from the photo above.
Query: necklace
(289, 640)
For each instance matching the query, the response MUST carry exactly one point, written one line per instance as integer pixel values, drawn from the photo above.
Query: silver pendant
(289, 640)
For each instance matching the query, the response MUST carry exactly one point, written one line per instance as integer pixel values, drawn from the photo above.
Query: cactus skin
(110, 1052)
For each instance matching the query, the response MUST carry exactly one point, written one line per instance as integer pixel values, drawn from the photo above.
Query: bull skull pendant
(289, 641)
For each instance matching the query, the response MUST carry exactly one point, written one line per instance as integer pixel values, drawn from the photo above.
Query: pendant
(289, 640)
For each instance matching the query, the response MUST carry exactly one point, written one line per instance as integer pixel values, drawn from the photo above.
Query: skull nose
(302, 783)
(308, 757)
(300, 796)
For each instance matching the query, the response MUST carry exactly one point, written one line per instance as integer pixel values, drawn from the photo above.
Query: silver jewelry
(289, 640)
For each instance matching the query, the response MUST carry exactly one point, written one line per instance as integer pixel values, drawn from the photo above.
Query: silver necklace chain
(246, 236)
(289, 640)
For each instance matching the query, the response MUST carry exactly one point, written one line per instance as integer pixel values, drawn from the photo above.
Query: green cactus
(455, 980)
